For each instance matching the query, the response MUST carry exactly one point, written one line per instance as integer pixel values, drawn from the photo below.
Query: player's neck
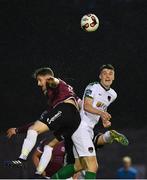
(105, 87)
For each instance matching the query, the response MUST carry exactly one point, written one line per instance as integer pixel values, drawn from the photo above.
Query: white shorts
(82, 139)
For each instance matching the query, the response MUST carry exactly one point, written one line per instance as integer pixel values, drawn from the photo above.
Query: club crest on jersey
(90, 149)
(63, 149)
(109, 98)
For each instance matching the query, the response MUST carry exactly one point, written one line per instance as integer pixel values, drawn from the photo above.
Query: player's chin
(108, 83)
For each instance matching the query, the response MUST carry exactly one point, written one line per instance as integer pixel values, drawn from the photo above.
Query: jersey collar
(104, 87)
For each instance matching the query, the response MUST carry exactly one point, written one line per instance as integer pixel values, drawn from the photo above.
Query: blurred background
(47, 33)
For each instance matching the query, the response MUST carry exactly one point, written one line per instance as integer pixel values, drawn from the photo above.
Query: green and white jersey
(101, 99)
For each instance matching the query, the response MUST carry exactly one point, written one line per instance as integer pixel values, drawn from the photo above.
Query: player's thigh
(90, 163)
(48, 121)
(64, 119)
(53, 142)
(39, 126)
(83, 144)
(78, 165)
(53, 119)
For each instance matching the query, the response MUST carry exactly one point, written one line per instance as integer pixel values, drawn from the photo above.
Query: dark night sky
(44, 33)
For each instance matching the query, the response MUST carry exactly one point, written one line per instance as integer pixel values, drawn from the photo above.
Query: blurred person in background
(127, 171)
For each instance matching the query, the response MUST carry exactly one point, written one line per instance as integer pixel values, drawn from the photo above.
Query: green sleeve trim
(92, 83)
(88, 96)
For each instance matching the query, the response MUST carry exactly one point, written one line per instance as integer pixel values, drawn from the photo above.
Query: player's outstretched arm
(13, 131)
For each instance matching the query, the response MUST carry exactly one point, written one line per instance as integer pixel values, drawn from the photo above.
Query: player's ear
(100, 76)
(50, 80)
(113, 76)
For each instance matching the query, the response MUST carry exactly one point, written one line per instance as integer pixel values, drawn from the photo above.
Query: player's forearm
(23, 129)
(91, 109)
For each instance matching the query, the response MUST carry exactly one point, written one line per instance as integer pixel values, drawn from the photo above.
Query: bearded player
(62, 116)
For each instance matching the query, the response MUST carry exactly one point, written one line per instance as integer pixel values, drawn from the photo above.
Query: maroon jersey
(62, 92)
(57, 160)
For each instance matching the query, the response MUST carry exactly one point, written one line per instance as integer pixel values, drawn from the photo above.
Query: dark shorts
(96, 136)
(63, 120)
(69, 150)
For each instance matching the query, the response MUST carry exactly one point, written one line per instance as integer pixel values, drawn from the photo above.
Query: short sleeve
(89, 91)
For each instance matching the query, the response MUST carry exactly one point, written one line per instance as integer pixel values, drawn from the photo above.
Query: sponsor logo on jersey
(63, 149)
(54, 117)
(101, 105)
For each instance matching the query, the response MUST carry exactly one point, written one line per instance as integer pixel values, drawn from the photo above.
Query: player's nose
(108, 76)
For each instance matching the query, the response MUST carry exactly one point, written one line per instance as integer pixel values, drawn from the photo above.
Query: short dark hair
(106, 66)
(43, 71)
